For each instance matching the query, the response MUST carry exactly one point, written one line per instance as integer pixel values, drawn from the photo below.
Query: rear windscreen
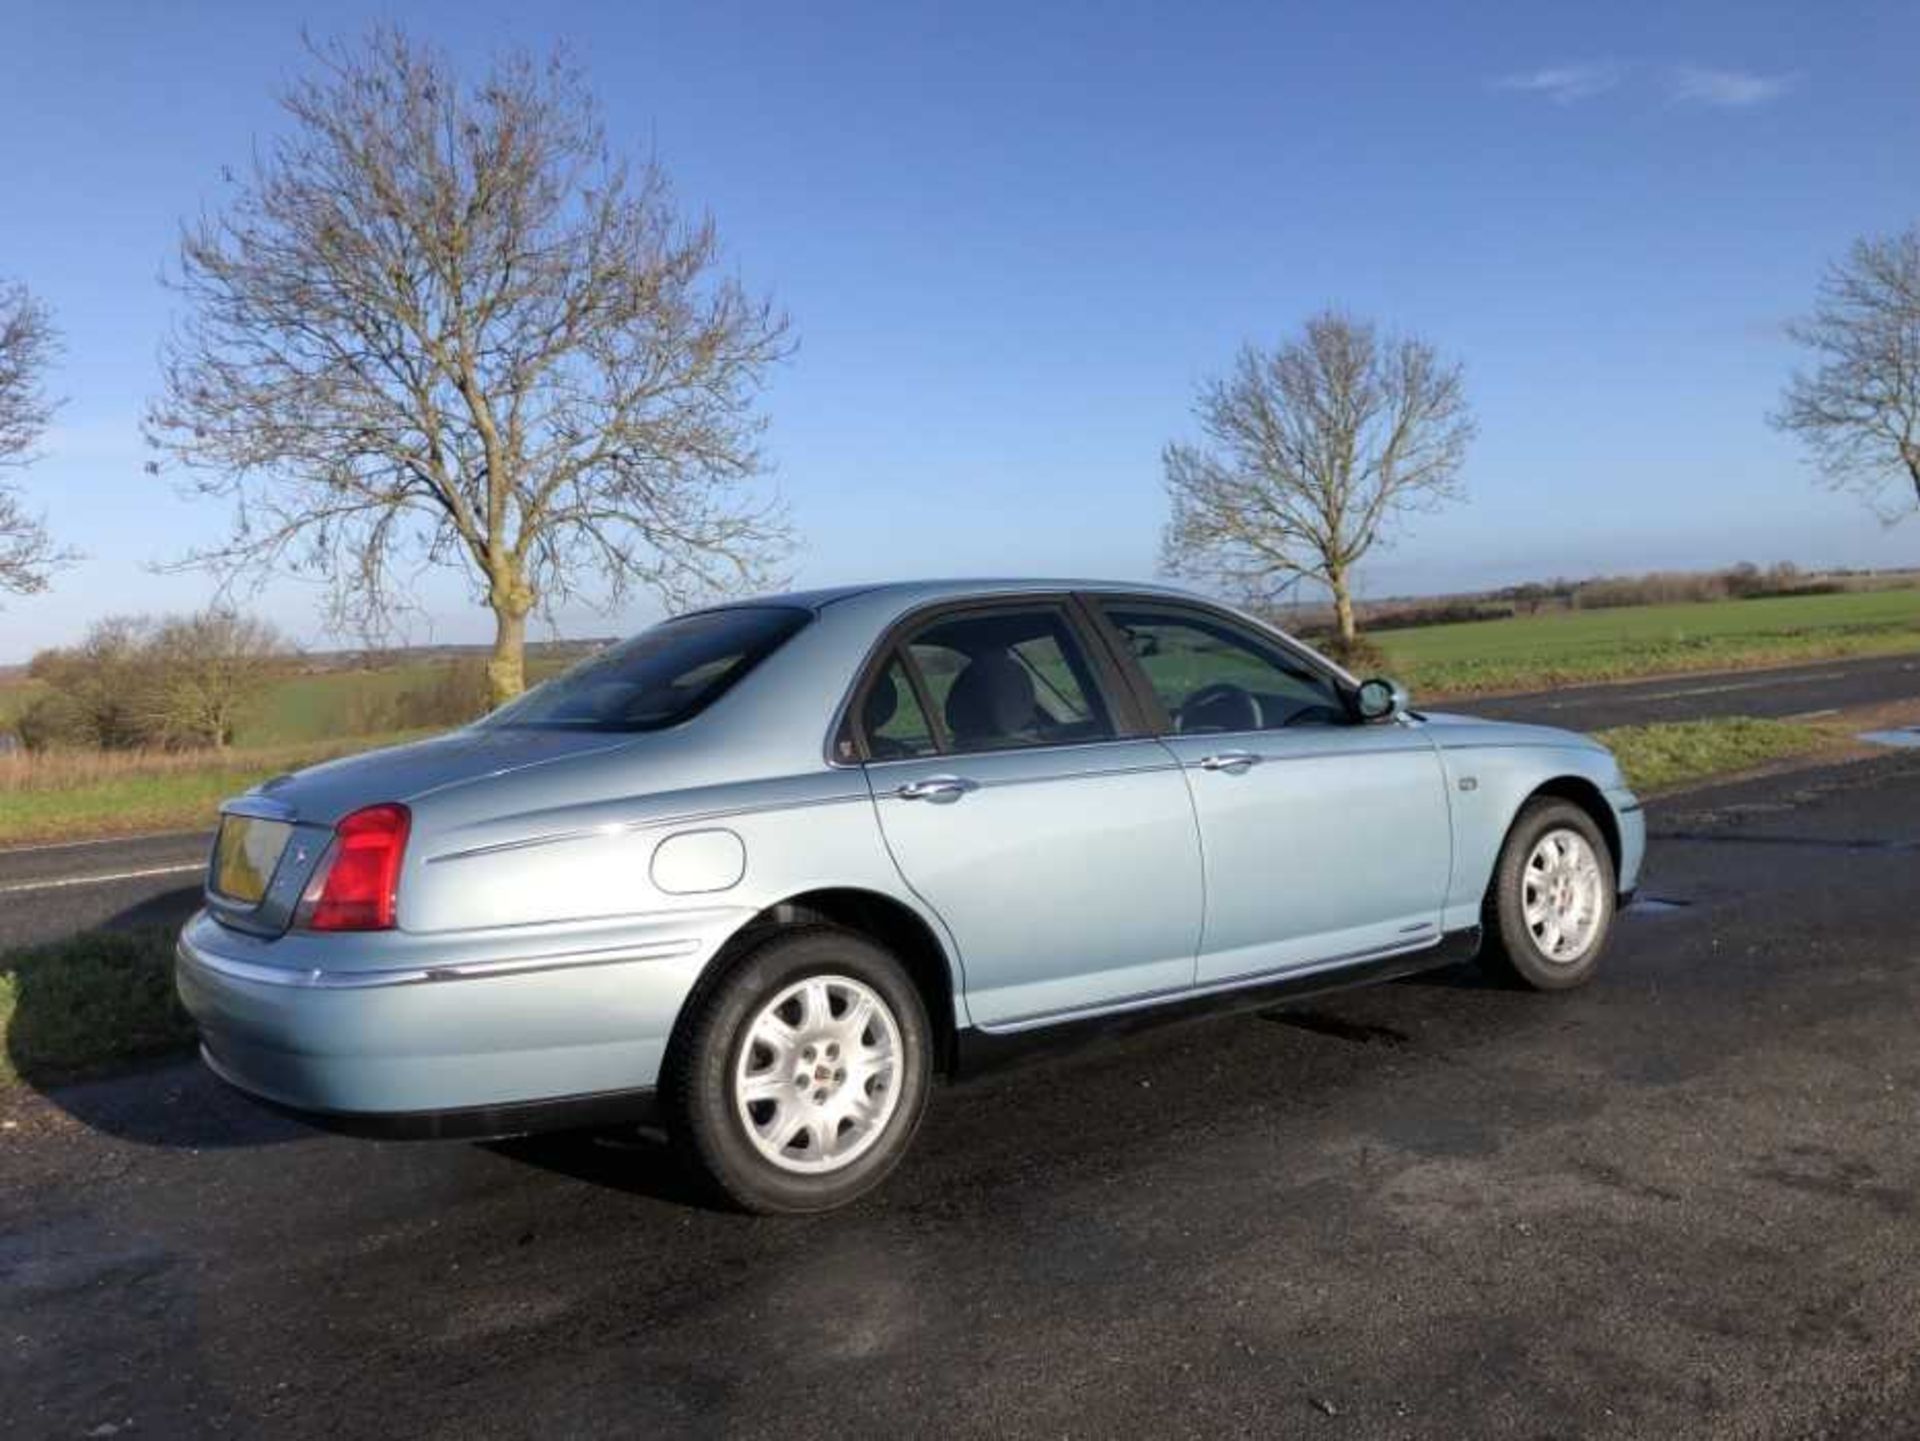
(661, 676)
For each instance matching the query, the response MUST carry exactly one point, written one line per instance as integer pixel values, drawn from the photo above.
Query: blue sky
(1013, 240)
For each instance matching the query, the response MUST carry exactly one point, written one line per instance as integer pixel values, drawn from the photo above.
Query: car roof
(908, 593)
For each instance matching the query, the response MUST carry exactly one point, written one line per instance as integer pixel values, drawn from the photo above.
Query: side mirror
(1380, 699)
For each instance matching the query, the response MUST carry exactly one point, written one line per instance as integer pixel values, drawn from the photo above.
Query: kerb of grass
(90, 1004)
(1673, 753)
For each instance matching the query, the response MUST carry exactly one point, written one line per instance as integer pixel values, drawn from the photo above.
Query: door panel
(1334, 842)
(1068, 876)
(1323, 838)
(1061, 855)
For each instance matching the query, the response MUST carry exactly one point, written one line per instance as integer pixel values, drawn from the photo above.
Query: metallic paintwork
(537, 957)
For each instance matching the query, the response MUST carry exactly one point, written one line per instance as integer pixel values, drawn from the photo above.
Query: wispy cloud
(1726, 89)
(1565, 84)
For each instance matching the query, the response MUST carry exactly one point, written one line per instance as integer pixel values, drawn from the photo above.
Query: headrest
(992, 699)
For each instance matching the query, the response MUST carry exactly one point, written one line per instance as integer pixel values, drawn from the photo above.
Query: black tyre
(1549, 912)
(803, 1072)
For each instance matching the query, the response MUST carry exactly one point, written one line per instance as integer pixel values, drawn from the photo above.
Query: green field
(63, 796)
(328, 703)
(1535, 652)
(311, 706)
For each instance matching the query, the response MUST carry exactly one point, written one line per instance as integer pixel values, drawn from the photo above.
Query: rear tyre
(1549, 912)
(803, 1074)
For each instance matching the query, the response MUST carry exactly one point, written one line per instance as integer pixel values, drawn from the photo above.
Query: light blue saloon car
(768, 869)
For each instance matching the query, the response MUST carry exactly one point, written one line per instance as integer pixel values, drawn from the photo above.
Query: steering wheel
(1324, 715)
(1221, 706)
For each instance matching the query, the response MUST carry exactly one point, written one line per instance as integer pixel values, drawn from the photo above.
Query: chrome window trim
(1109, 681)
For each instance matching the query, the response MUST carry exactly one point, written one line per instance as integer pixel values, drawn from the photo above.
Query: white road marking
(1813, 714)
(22, 887)
(1760, 684)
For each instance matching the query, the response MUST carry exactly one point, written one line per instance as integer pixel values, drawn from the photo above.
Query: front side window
(996, 680)
(1212, 676)
(660, 677)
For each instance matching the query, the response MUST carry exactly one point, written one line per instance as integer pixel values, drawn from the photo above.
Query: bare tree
(95, 691)
(442, 324)
(206, 671)
(1858, 410)
(28, 345)
(1312, 450)
(135, 682)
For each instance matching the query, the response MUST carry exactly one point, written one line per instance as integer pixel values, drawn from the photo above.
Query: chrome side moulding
(325, 980)
(639, 827)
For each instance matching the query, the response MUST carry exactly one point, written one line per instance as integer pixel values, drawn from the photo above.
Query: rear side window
(660, 677)
(996, 680)
(896, 726)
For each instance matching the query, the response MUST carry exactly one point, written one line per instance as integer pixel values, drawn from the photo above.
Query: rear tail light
(355, 887)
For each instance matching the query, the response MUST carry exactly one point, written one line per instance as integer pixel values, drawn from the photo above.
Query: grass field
(329, 703)
(1535, 652)
(308, 707)
(64, 796)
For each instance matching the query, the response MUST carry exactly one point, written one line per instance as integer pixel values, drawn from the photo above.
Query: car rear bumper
(466, 1041)
(466, 1123)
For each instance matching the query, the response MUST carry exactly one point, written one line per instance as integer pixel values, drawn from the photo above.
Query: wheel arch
(881, 918)
(1583, 793)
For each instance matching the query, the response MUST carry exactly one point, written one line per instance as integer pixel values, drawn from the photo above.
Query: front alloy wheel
(1549, 911)
(1563, 896)
(803, 1072)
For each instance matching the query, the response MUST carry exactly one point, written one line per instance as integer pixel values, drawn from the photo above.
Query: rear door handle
(944, 789)
(1232, 762)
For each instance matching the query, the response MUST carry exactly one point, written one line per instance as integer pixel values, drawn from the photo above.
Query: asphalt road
(52, 891)
(1793, 691)
(1681, 1201)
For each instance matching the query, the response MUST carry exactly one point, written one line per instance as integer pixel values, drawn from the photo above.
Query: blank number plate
(244, 858)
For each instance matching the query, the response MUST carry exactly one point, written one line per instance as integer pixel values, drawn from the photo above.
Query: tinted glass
(895, 726)
(1212, 676)
(1010, 678)
(660, 677)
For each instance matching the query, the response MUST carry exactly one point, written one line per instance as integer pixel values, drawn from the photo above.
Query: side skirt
(977, 1051)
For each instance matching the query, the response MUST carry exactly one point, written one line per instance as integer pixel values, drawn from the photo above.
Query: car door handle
(937, 788)
(1232, 762)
